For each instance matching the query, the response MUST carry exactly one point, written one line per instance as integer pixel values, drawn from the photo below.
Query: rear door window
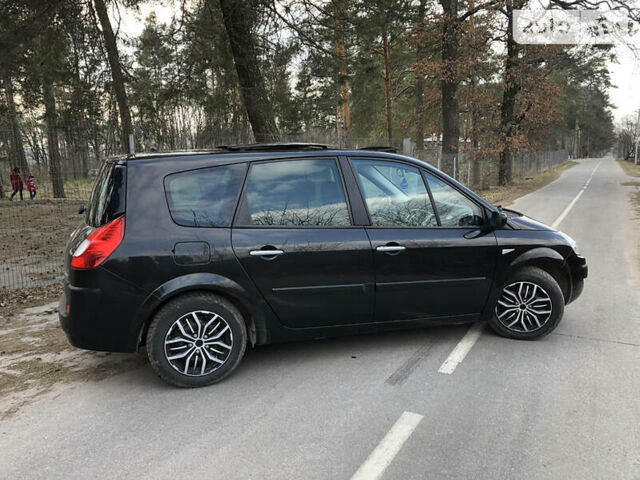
(303, 193)
(205, 197)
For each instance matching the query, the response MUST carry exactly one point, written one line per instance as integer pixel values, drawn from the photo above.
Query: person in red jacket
(31, 186)
(16, 183)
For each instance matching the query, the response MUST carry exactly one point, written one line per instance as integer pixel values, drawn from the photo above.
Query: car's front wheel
(530, 305)
(196, 339)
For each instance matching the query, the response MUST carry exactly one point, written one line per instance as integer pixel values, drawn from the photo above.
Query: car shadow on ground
(383, 351)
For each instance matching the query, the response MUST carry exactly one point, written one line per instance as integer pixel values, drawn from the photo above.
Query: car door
(430, 260)
(294, 236)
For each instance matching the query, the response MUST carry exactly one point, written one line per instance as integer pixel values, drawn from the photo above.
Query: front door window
(454, 209)
(395, 194)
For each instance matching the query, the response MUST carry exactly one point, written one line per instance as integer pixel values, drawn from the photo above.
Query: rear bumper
(78, 331)
(95, 321)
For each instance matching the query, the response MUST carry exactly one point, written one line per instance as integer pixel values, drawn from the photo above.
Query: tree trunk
(339, 125)
(81, 140)
(51, 117)
(421, 53)
(576, 141)
(419, 98)
(84, 151)
(344, 117)
(449, 86)
(17, 149)
(96, 143)
(512, 86)
(236, 17)
(116, 73)
(476, 173)
(507, 108)
(387, 87)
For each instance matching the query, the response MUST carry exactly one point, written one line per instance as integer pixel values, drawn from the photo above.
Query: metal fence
(524, 164)
(33, 232)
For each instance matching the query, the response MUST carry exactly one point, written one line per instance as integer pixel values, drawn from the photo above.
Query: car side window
(205, 197)
(454, 209)
(302, 193)
(395, 194)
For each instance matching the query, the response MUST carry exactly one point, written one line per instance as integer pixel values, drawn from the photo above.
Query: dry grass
(505, 196)
(33, 236)
(629, 168)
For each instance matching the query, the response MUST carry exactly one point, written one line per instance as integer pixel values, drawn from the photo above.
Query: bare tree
(452, 21)
(237, 15)
(51, 116)
(117, 75)
(17, 148)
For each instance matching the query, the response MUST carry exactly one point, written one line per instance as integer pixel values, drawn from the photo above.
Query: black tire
(182, 307)
(526, 277)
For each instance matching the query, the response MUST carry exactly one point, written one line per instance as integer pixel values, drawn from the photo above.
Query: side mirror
(82, 209)
(497, 219)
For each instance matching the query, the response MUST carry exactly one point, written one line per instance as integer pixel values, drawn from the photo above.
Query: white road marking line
(566, 211)
(382, 456)
(462, 348)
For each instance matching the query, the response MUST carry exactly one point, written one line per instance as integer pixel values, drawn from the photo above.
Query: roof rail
(381, 148)
(273, 147)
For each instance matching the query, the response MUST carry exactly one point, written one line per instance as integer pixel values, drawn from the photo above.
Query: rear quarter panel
(146, 257)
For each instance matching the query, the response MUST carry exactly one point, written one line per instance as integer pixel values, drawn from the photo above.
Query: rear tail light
(97, 247)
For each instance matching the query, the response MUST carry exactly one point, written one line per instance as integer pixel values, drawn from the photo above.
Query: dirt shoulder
(505, 196)
(16, 300)
(35, 357)
(629, 168)
(632, 228)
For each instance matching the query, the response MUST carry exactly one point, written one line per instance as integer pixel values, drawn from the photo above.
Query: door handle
(266, 253)
(391, 248)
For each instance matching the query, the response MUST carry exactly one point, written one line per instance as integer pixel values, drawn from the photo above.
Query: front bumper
(579, 271)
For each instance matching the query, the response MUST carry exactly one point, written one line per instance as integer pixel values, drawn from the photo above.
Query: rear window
(107, 200)
(205, 197)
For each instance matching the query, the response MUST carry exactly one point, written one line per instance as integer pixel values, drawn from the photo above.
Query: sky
(625, 73)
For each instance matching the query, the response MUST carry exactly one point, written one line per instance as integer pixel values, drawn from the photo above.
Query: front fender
(532, 256)
(508, 266)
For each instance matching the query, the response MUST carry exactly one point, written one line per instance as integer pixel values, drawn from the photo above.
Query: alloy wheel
(524, 307)
(198, 343)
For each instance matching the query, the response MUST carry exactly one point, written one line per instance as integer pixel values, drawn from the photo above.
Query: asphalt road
(566, 406)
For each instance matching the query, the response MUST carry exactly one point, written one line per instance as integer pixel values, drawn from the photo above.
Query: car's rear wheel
(530, 305)
(196, 339)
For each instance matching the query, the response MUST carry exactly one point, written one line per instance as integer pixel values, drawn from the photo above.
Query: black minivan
(196, 254)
